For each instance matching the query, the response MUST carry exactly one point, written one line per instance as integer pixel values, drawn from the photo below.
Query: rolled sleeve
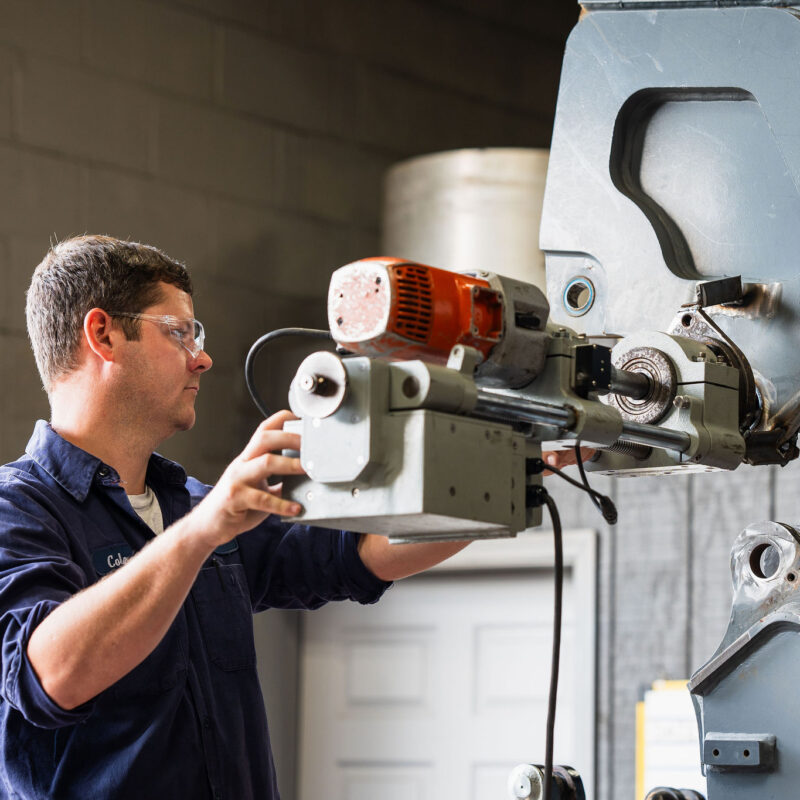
(297, 566)
(363, 586)
(21, 686)
(36, 576)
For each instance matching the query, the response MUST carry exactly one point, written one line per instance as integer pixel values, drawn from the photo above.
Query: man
(128, 662)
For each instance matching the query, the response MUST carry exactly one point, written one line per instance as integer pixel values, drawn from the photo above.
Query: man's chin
(188, 423)
(184, 422)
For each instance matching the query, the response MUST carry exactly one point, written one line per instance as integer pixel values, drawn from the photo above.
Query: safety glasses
(189, 333)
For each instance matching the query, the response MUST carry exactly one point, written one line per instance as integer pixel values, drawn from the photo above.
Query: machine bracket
(739, 752)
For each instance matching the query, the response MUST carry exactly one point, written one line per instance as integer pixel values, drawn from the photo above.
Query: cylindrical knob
(526, 782)
(316, 384)
(307, 382)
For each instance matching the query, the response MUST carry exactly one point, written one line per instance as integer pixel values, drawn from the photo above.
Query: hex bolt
(681, 401)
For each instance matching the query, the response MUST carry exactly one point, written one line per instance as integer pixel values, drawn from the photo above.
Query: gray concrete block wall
(249, 139)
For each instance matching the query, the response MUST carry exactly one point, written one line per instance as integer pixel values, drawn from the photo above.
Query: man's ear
(100, 333)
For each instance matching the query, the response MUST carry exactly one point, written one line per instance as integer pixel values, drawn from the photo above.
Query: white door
(441, 688)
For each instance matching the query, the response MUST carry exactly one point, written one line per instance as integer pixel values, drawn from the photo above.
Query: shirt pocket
(162, 670)
(225, 616)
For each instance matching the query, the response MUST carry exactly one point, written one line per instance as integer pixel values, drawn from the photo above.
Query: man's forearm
(99, 635)
(390, 562)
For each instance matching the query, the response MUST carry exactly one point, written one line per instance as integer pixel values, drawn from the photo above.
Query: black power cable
(604, 503)
(601, 502)
(538, 496)
(558, 547)
(249, 364)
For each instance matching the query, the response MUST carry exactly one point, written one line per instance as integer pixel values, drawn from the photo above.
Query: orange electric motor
(396, 309)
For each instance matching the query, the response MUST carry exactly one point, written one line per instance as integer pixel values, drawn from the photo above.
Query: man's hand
(242, 498)
(565, 458)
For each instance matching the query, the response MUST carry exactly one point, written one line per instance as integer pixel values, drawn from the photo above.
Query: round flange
(661, 372)
(319, 386)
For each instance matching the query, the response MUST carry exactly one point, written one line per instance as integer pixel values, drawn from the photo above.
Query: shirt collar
(75, 470)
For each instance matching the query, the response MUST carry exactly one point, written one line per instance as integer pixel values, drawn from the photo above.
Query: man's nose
(202, 362)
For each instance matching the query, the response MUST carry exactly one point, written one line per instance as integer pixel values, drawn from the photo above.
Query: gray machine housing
(392, 458)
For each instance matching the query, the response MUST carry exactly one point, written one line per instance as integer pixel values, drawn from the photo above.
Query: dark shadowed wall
(248, 138)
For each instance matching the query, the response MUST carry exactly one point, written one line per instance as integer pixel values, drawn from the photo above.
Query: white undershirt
(147, 507)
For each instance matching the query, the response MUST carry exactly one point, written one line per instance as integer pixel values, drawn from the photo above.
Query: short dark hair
(85, 272)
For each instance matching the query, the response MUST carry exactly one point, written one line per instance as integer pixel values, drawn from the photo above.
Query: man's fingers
(265, 466)
(551, 458)
(266, 440)
(258, 500)
(275, 422)
(565, 458)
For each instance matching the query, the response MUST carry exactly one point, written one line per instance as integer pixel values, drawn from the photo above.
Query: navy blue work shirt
(189, 721)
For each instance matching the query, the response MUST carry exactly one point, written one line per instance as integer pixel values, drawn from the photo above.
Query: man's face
(159, 377)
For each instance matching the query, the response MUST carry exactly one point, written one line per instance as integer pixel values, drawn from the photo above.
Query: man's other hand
(242, 497)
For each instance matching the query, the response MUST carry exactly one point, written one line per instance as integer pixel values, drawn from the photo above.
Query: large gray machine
(676, 159)
(671, 232)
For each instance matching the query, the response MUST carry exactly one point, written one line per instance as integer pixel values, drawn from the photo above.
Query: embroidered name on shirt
(110, 558)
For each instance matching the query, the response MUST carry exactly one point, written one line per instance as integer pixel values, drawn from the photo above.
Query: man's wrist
(193, 538)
